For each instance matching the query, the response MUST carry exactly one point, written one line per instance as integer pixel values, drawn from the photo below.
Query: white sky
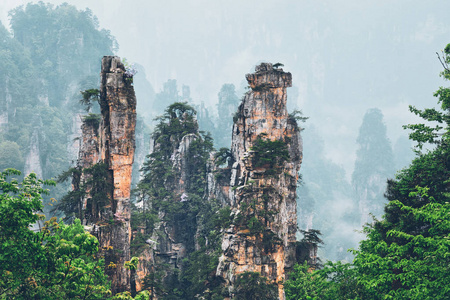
(346, 56)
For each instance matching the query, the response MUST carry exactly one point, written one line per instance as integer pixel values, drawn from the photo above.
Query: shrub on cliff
(271, 154)
(253, 286)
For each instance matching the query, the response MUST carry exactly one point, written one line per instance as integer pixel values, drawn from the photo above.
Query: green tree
(253, 286)
(406, 252)
(271, 154)
(302, 284)
(53, 261)
(191, 217)
(401, 265)
(10, 156)
(89, 186)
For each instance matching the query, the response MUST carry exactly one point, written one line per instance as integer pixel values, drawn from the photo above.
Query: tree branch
(442, 63)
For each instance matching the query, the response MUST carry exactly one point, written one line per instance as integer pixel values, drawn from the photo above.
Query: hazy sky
(345, 56)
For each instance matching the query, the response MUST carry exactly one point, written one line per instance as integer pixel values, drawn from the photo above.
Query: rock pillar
(117, 144)
(107, 151)
(267, 150)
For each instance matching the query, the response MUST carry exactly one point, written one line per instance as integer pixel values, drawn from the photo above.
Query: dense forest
(181, 214)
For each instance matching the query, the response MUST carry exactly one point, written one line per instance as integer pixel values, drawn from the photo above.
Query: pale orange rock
(263, 114)
(112, 142)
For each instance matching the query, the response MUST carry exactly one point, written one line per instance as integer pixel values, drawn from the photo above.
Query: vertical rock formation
(118, 107)
(108, 142)
(226, 107)
(267, 150)
(373, 166)
(32, 160)
(172, 237)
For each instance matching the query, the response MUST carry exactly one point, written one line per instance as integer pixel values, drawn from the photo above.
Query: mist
(346, 57)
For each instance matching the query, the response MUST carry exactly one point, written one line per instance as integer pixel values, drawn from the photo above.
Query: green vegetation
(296, 117)
(189, 214)
(253, 286)
(47, 260)
(223, 157)
(256, 216)
(42, 65)
(92, 120)
(156, 186)
(406, 252)
(54, 261)
(404, 256)
(90, 186)
(89, 96)
(307, 248)
(270, 154)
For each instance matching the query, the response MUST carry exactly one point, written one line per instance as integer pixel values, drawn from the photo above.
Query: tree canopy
(406, 253)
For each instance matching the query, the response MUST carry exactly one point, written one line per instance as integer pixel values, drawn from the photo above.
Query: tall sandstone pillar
(263, 181)
(111, 143)
(117, 144)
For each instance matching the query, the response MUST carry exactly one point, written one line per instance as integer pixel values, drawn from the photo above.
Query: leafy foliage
(90, 186)
(89, 96)
(269, 153)
(422, 133)
(302, 284)
(406, 253)
(405, 265)
(52, 51)
(189, 214)
(297, 116)
(252, 286)
(92, 120)
(223, 156)
(53, 262)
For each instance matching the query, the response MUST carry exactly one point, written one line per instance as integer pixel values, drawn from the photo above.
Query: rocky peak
(267, 76)
(108, 141)
(267, 150)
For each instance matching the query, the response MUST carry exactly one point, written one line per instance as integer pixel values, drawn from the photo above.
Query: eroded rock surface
(110, 141)
(167, 178)
(267, 150)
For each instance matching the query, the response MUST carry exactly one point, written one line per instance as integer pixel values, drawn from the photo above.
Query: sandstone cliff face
(263, 193)
(111, 142)
(118, 107)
